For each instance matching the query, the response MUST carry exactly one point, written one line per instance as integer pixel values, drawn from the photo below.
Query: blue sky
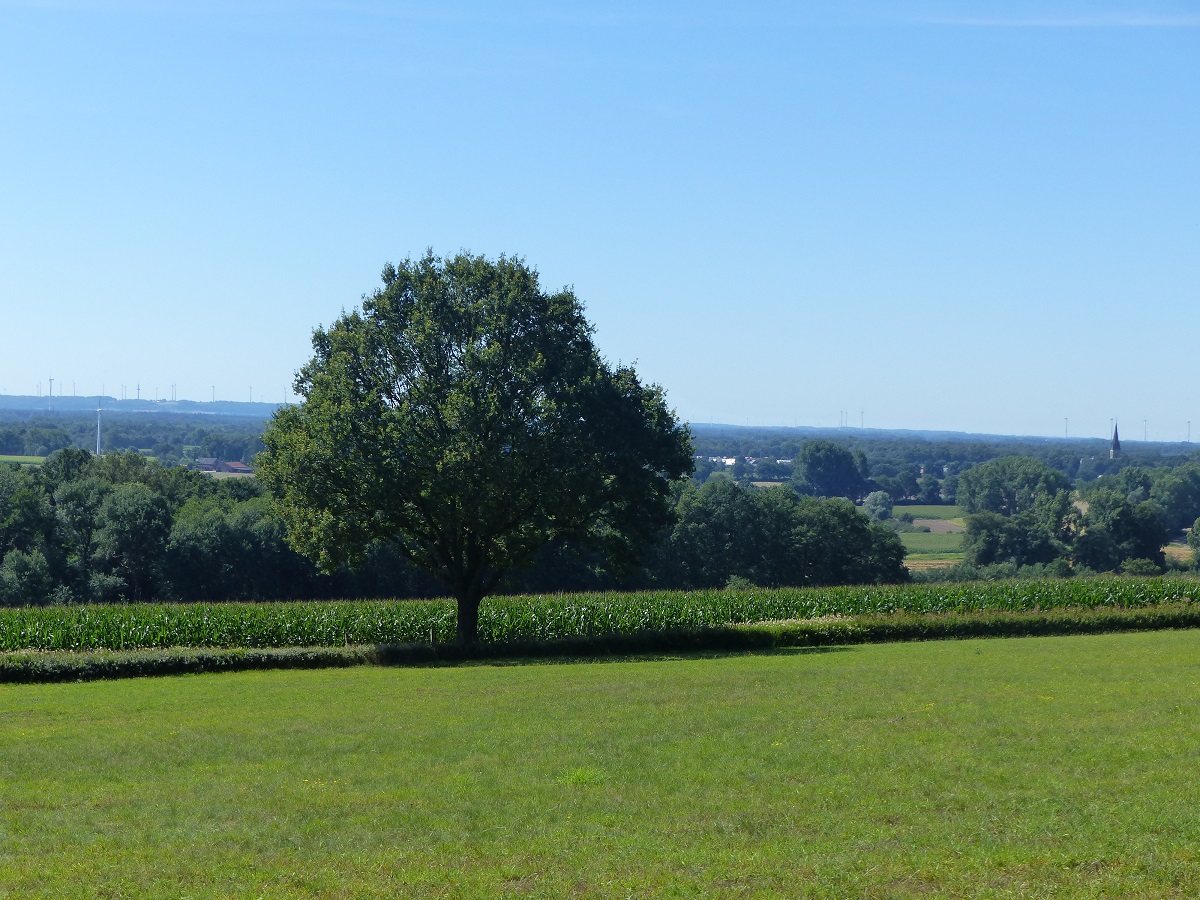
(974, 216)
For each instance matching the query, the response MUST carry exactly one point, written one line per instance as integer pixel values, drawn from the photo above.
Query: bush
(1141, 568)
(25, 579)
(878, 505)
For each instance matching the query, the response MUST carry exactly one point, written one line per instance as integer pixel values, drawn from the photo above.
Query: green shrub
(1141, 568)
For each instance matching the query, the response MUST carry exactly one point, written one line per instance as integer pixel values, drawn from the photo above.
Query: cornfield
(545, 617)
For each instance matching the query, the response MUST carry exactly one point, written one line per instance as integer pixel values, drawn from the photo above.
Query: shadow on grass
(59, 666)
(543, 659)
(697, 643)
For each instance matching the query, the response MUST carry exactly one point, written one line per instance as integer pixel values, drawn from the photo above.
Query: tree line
(121, 527)
(1025, 515)
(171, 438)
(915, 467)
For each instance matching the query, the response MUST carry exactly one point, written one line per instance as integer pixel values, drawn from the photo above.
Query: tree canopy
(1010, 485)
(826, 469)
(772, 537)
(466, 416)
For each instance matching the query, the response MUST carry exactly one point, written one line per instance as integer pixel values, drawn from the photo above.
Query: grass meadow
(920, 543)
(1179, 552)
(1027, 767)
(938, 548)
(936, 511)
(22, 460)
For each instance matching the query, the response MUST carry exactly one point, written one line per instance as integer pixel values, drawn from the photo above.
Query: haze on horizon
(963, 216)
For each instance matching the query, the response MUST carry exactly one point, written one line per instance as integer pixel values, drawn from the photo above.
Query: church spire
(1115, 450)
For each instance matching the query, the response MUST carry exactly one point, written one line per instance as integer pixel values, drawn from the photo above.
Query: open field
(941, 546)
(1179, 551)
(943, 526)
(919, 511)
(23, 460)
(1025, 767)
(917, 562)
(921, 542)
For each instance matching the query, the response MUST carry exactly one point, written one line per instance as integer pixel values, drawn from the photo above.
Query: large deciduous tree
(826, 469)
(772, 537)
(466, 416)
(1011, 485)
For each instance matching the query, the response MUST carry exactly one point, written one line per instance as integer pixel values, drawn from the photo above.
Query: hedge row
(28, 667)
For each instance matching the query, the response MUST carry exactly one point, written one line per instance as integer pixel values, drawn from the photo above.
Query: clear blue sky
(975, 216)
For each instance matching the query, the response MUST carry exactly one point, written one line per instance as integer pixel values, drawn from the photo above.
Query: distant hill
(901, 447)
(60, 404)
(808, 432)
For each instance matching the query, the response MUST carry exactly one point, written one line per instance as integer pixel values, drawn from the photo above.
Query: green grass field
(921, 542)
(23, 460)
(1007, 768)
(930, 512)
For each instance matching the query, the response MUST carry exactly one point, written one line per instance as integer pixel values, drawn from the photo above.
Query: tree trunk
(468, 617)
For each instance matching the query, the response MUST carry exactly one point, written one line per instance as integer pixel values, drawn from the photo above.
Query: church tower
(1114, 451)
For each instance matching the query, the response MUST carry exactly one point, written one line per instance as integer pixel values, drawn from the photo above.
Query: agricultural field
(1179, 552)
(1028, 767)
(542, 617)
(924, 542)
(935, 511)
(23, 460)
(941, 546)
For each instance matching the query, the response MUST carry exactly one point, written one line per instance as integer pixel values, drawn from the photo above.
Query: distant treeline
(894, 461)
(135, 524)
(81, 528)
(1025, 514)
(170, 438)
(912, 466)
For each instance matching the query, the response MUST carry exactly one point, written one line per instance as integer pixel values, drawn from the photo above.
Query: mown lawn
(1023, 768)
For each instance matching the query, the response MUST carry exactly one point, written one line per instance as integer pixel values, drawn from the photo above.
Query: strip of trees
(82, 528)
(121, 527)
(172, 438)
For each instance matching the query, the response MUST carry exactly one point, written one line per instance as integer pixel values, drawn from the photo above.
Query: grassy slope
(969, 768)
